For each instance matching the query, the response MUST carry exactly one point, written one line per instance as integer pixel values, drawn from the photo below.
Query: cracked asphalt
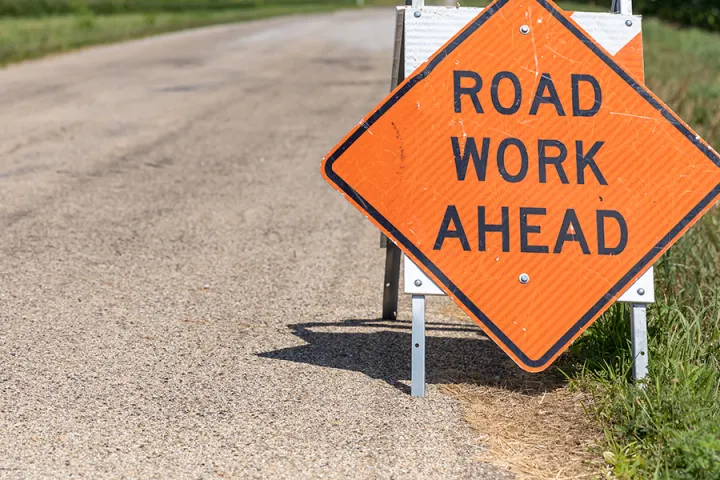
(182, 295)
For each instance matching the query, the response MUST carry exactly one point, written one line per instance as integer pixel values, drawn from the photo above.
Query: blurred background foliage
(34, 8)
(696, 13)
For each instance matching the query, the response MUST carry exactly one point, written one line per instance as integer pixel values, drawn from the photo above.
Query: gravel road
(182, 295)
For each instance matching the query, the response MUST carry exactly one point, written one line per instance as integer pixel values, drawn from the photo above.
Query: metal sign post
(393, 254)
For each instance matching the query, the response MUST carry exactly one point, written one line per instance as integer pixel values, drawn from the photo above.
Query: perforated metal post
(417, 379)
(638, 332)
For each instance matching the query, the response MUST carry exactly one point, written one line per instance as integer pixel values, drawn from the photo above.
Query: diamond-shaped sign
(530, 176)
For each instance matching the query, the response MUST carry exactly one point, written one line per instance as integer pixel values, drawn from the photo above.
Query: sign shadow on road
(380, 349)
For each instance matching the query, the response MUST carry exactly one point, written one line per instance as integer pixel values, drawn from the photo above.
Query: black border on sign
(619, 286)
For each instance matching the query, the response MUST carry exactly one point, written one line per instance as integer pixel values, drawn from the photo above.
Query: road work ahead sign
(530, 176)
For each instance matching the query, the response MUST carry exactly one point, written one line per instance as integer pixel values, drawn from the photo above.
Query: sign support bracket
(393, 255)
(417, 388)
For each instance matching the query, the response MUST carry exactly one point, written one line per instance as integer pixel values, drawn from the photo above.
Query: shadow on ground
(380, 349)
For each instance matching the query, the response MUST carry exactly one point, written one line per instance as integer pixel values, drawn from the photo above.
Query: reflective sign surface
(528, 174)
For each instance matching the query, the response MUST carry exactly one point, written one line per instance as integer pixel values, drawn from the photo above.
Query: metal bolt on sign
(414, 46)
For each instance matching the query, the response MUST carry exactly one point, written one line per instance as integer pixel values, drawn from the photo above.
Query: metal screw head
(417, 13)
(524, 29)
(641, 291)
(524, 278)
(418, 282)
(628, 23)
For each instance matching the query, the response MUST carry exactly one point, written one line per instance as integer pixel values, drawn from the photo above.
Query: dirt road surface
(182, 295)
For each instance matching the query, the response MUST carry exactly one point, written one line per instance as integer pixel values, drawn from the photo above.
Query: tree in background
(697, 13)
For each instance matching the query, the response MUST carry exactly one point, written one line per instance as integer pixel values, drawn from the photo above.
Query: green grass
(33, 28)
(25, 38)
(39, 8)
(683, 67)
(670, 429)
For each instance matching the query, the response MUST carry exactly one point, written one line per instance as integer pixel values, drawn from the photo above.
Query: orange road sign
(528, 174)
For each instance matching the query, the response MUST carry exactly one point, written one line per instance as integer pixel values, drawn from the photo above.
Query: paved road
(182, 296)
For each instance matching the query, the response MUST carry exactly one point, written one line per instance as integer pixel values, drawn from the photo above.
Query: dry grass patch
(536, 426)
(536, 434)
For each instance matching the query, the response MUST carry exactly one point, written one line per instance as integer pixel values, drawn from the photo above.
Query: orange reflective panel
(522, 149)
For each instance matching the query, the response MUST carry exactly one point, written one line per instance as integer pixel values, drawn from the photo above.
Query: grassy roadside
(26, 38)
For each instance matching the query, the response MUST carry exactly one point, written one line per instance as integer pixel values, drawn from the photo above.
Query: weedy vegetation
(32, 37)
(33, 28)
